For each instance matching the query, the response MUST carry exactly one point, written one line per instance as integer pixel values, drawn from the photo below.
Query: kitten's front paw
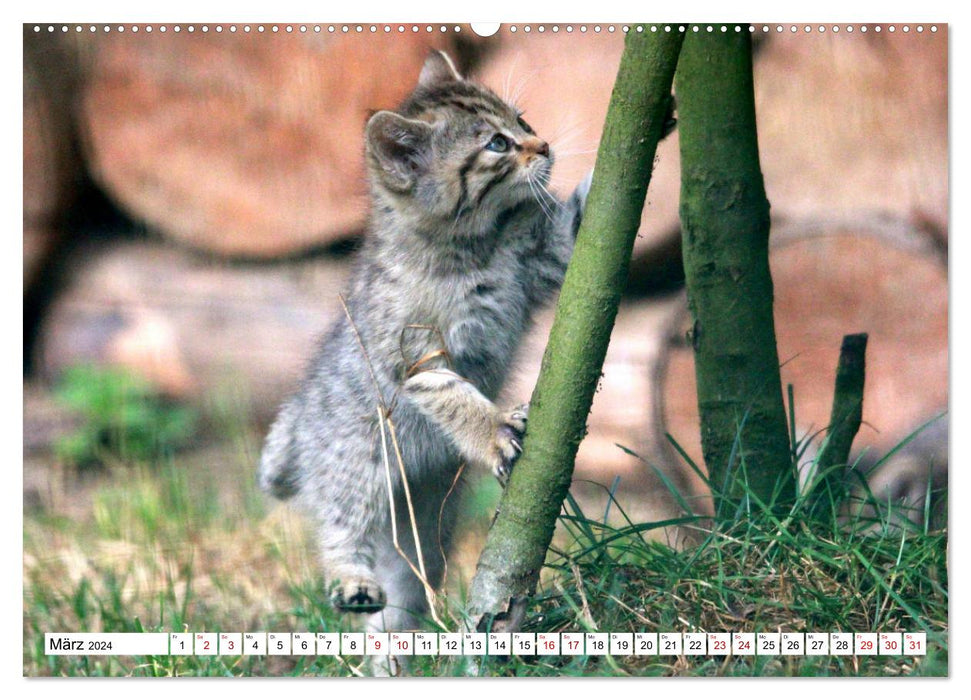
(509, 440)
(358, 596)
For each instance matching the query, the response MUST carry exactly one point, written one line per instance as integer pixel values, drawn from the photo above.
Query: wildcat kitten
(464, 243)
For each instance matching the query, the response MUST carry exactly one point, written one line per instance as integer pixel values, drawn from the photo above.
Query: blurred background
(192, 202)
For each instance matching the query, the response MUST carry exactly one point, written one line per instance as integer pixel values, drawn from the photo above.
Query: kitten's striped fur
(464, 244)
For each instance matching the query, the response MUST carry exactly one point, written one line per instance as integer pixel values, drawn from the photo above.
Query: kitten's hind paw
(509, 441)
(358, 596)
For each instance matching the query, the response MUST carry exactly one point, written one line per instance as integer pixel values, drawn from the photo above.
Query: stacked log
(196, 327)
(854, 125)
(52, 166)
(244, 145)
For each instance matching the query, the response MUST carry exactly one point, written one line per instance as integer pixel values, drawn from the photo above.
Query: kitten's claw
(358, 596)
(517, 418)
(509, 441)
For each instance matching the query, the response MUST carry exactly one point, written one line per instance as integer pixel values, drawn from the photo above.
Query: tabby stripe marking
(463, 184)
(509, 166)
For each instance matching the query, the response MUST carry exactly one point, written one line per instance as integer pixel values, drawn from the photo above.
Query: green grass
(182, 541)
(122, 417)
(760, 574)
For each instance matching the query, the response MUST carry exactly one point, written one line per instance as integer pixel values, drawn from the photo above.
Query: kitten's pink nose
(537, 146)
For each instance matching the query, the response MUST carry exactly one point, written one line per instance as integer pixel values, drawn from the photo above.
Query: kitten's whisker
(538, 194)
(458, 217)
(571, 154)
(544, 179)
(562, 185)
(532, 191)
(508, 80)
(553, 201)
(564, 137)
(520, 86)
(572, 142)
(556, 205)
(571, 129)
(559, 178)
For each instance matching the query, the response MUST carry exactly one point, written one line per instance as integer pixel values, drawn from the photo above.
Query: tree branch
(847, 412)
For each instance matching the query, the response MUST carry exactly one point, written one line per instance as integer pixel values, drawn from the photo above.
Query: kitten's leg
(482, 433)
(277, 474)
(345, 538)
(407, 606)
(348, 557)
(344, 525)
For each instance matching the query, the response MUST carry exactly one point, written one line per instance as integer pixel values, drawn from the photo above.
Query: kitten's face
(454, 150)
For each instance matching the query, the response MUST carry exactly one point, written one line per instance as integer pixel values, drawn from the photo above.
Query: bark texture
(725, 230)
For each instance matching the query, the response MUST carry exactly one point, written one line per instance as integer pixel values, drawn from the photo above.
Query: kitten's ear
(438, 69)
(398, 148)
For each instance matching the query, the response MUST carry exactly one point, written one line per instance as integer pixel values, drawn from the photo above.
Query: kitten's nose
(537, 146)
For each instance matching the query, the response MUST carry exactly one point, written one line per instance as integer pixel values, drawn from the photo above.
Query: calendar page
(436, 349)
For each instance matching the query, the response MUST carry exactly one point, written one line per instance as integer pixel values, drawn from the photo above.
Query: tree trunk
(509, 566)
(851, 265)
(725, 229)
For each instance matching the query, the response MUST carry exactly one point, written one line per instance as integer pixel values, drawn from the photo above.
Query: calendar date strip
(615, 644)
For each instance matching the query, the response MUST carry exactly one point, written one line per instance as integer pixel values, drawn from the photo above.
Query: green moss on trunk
(516, 547)
(725, 229)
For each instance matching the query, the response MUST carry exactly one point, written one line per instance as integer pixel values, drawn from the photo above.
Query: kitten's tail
(277, 473)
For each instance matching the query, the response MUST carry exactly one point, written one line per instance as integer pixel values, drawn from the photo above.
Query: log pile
(242, 145)
(195, 327)
(248, 147)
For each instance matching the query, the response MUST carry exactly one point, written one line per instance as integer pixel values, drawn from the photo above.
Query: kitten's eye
(524, 126)
(498, 143)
